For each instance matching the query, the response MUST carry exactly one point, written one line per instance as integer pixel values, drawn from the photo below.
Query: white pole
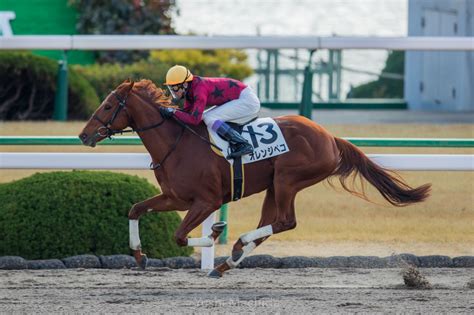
(104, 161)
(5, 27)
(147, 42)
(425, 162)
(207, 253)
(401, 162)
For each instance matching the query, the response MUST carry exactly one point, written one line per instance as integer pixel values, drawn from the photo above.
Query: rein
(122, 105)
(182, 124)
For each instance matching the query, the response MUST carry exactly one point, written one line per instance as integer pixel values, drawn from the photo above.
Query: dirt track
(246, 290)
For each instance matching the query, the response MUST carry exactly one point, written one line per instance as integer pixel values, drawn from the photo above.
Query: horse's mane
(149, 90)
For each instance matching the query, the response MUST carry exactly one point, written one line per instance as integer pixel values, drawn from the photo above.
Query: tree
(137, 17)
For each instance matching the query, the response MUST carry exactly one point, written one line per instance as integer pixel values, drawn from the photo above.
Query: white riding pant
(240, 110)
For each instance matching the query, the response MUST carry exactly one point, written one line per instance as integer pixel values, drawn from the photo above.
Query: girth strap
(238, 178)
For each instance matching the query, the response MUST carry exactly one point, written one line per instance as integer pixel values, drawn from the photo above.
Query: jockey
(233, 100)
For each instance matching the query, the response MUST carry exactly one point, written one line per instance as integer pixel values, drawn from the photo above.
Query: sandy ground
(240, 291)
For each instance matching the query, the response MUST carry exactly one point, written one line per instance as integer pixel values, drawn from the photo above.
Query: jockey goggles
(174, 88)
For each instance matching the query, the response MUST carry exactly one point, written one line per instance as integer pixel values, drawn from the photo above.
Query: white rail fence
(147, 42)
(34, 160)
(114, 161)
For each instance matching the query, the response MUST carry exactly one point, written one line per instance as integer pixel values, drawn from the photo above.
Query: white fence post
(207, 253)
(5, 27)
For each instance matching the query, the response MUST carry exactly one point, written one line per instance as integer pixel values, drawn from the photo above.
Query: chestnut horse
(192, 177)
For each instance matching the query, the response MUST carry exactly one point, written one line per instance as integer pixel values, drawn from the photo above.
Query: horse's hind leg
(198, 212)
(239, 250)
(287, 185)
(278, 213)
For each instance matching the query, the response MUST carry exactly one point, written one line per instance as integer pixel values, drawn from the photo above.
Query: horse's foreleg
(278, 217)
(153, 204)
(157, 203)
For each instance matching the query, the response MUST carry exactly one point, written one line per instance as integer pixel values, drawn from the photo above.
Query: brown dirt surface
(296, 291)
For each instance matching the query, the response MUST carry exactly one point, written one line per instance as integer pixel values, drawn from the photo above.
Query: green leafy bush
(230, 63)
(60, 214)
(108, 76)
(28, 86)
(215, 63)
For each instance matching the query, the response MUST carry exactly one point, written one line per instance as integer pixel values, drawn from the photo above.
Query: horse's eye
(107, 107)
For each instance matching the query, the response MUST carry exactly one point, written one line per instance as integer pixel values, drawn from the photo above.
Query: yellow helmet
(178, 75)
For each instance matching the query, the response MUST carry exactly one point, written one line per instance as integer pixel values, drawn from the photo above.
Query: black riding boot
(238, 145)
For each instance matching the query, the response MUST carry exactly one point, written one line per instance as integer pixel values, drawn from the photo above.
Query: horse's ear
(130, 84)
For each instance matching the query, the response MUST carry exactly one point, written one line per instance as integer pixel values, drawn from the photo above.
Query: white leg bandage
(134, 236)
(205, 241)
(264, 231)
(247, 249)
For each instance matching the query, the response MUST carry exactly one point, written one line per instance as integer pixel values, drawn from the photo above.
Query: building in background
(440, 80)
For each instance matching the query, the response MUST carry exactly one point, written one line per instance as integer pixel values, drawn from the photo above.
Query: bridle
(106, 125)
(109, 132)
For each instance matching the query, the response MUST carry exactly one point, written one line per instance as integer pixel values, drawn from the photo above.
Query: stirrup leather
(239, 149)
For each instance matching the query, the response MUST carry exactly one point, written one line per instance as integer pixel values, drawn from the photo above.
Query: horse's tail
(388, 183)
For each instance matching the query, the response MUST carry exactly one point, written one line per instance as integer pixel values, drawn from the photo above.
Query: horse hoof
(140, 259)
(143, 262)
(218, 227)
(215, 274)
(237, 254)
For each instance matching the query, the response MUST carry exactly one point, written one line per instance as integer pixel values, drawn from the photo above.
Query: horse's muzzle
(88, 141)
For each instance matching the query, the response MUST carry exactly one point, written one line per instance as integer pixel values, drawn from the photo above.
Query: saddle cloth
(263, 134)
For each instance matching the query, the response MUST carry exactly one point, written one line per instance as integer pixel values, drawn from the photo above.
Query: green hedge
(216, 63)
(108, 76)
(230, 63)
(28, 87)
(60, 214)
